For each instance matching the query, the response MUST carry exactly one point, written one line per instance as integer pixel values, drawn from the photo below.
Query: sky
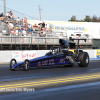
(52, 10)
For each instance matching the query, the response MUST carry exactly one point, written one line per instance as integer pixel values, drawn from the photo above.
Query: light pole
(4, 7)
(40, 12)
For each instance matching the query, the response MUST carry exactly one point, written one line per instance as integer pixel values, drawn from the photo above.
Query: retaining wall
(6, 56)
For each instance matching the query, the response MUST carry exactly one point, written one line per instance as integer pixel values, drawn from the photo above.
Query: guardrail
(37, 43)
(36, 40)
(29, 40)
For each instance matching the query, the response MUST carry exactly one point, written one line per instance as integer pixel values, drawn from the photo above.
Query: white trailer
(88, 30)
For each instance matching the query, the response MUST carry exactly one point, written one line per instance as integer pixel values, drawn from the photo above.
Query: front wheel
(26, 65)
(12, 63)
(83, 58)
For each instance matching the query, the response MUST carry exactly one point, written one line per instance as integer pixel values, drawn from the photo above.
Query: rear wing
(72, 39)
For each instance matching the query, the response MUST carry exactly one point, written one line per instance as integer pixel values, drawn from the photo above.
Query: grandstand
(13, 39)
(23, 34)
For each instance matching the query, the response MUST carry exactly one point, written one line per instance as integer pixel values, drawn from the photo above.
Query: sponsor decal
(22, 55)
(39, 63)
(16, 55)
(46, 62)
(98, 53)
(51, 62)
(67, 28)
(57, 25)
(62, 61)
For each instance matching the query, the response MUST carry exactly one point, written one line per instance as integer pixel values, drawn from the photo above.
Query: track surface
(87, 90)
(8, 75)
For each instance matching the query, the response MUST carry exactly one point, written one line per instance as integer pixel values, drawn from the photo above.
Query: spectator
(2, 18)
(25, 20)
(22, 22)
(16, 32)
(1, 15)
(11, 14)
(35, 27)
(43, 25)
(24, 32)
(44, 32)
(29, 26)
(7, 24)
(21, 30)
(50, 29)
(29, 30)
(46, 28)
(11, 26)
(18, 21)
(25, 26)
(8, 15)
(40, 26)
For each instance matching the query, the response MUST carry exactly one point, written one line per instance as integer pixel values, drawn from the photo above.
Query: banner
(22, 55)
(97, 53)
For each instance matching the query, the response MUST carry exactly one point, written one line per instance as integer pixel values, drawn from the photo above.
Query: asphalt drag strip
(50, 82)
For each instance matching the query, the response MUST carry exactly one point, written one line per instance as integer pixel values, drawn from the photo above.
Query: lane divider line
(49, 82)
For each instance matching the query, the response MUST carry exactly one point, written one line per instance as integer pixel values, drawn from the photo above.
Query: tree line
(86, 19)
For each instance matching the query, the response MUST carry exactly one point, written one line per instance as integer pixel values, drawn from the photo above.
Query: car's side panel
(46, 61)
(52, 60)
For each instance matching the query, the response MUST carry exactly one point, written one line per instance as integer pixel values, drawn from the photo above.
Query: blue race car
(58, 55)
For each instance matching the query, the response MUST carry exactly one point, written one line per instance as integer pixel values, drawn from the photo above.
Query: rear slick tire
(83, 58)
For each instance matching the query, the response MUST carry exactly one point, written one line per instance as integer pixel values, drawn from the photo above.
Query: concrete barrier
(6, 56)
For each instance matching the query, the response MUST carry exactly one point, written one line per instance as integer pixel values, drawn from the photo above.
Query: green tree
(99, 19)
(94, 19)
(73, 18)
(81, 20)
(87, 19)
